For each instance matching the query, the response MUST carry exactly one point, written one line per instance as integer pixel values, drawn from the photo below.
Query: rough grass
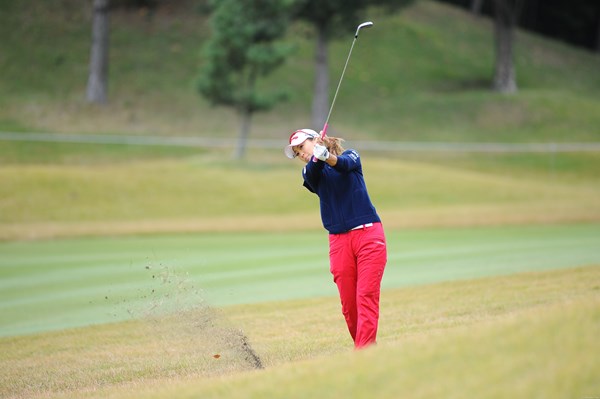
(189, 343)
(109, 195)
(523, 335)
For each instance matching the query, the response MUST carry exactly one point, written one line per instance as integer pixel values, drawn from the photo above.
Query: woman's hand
(320, 152)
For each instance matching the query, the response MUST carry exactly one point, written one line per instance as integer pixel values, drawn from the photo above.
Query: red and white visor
(297, 138)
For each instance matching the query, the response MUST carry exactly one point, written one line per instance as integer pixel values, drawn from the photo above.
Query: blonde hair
(333, 144)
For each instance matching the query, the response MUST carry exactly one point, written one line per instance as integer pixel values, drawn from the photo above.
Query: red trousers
(357, 261)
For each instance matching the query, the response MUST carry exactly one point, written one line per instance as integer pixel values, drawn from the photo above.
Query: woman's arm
(312, 175)
(332, 160)
(348, 161)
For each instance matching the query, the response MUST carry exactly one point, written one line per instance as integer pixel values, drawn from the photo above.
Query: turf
(202, 193)
(247, 236)
(523, 335)
(50, 285)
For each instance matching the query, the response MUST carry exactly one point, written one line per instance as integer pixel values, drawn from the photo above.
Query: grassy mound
(521, 335)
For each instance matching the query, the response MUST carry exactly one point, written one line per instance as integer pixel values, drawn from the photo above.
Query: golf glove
(320, 152)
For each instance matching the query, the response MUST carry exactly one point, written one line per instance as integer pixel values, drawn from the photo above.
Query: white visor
(297, 138)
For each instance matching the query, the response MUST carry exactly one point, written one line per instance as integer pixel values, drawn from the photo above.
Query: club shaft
(338, 86)
(363, 25)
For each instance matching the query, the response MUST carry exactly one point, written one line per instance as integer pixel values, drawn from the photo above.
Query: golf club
(367, 24)
(361, 26)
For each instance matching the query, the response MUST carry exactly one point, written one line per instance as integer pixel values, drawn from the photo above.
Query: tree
(476, 6)
(243, 47)
(326, 16)
(597, 39)
(331, 18)
(574, 21)
(98, 75)
(505, 21)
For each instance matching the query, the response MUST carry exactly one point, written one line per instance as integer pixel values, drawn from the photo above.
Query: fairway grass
(524, 335)
(57, 284)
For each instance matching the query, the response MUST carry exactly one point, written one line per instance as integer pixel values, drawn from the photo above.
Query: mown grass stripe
(248, 268)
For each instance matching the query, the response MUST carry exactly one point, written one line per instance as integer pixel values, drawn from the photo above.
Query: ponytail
(333, 144)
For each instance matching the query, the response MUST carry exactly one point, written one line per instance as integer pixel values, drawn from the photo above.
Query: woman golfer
(357, 247)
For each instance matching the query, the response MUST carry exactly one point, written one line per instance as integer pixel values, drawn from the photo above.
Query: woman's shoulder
(352, 153)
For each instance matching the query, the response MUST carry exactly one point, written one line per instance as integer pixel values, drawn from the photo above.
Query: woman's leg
(371, 260)
(343, 268)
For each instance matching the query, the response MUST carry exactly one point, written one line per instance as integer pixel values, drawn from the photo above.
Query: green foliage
(335, 16)
(327, 14)
(244, 46)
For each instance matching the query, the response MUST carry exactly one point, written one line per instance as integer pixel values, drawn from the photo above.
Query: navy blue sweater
(345, 202)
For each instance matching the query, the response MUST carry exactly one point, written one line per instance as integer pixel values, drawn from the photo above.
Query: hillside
(419, 75)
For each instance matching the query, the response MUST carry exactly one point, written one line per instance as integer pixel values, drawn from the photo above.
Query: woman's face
(304, 151)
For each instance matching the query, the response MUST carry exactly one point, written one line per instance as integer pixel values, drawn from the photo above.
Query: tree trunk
(245, 122)
(321, 93)
(504, 26)
(98, 77)
(598, 32)
(476, 6)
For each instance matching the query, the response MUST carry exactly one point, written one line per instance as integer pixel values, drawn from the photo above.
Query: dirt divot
(186, 328)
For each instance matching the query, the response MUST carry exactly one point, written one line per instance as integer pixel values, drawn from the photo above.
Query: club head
(367, 24)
